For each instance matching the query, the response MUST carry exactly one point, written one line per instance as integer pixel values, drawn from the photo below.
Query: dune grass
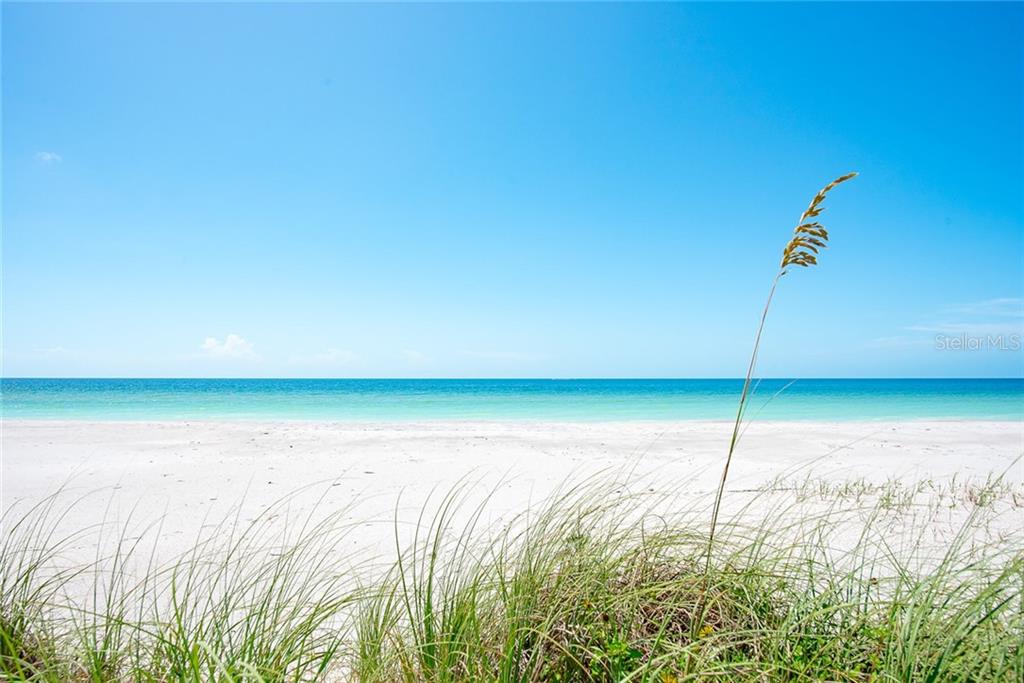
(245, 603)
(597, 589)
(593, 586)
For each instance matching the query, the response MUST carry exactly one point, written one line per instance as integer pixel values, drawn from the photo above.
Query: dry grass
(811, 237)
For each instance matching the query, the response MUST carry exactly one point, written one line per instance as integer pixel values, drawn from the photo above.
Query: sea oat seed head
(810, 238)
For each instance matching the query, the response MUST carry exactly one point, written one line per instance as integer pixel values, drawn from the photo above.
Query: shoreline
(276, 419)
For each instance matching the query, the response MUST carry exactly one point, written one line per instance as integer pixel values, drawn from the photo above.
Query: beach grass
(596, 585)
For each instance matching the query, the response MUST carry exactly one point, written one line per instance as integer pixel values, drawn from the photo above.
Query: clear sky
(508, 191)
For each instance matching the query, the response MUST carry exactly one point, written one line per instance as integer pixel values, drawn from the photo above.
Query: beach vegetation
(592, 586)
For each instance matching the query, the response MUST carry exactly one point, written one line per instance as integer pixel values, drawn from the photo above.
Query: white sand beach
(191, 474)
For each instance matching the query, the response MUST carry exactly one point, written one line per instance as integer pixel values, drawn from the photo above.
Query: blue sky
(508, 191)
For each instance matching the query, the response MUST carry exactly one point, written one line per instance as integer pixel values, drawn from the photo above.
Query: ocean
(382, 400)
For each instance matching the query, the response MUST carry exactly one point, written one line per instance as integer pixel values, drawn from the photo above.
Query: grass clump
(247, 602)
(591, 591)
(595, 586)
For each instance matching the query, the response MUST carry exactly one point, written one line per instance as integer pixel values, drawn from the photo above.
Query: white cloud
(991, 318)
(233, 346)
(1005, 307)
(48, 157)
(1002, 316)
(970, 328)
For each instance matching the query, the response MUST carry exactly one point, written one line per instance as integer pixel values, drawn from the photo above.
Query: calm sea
(535, 399)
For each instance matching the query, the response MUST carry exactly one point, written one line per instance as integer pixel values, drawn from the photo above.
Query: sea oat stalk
(809, 237)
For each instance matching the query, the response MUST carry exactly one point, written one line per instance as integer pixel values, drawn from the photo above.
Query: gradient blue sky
(509, 191)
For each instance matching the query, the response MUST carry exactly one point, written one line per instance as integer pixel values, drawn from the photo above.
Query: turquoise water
(576, 400)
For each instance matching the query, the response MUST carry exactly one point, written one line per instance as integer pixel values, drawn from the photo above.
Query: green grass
(593, 586)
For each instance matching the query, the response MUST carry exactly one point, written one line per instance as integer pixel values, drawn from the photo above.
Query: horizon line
(506, 379)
